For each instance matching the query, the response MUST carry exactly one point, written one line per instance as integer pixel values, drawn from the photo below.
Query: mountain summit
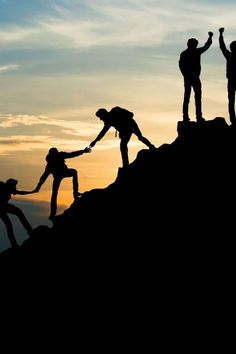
(170, 204)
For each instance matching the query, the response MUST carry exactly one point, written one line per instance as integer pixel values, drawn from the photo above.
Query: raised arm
(223, 48)
(208, 43)
(100, 135)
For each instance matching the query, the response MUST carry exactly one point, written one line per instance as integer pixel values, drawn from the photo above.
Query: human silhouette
(57, 167)
(190, 67)
(122, 120)
(230, 56)
(6, 190)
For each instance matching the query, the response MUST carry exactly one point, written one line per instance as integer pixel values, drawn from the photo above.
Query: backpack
(121, 118)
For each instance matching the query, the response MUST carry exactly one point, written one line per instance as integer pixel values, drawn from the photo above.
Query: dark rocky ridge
(172, 209)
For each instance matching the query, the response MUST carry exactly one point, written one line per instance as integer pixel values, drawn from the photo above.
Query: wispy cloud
(8, 67)
(73, 127)
(26, 143)
(73, 135)
(115, 23)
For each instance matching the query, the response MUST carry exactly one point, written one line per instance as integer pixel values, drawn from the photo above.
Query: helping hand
(221, 30)
(210, 34)
(87, 149)
(92, 144)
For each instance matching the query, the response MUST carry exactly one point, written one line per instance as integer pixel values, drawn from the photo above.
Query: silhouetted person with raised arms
(122, 120)
(190, 67)
(6, 190)
(230, 56)
(57, 167)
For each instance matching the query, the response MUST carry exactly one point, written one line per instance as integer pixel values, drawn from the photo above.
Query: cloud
(8, 67)
(75, 24)
(73, 127)
(72, 135)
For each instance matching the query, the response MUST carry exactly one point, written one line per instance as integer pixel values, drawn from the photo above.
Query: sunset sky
(62, 60)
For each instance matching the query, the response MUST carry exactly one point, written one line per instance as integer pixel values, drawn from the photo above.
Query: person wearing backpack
(122, 120)
(6, 190)
(57, 167)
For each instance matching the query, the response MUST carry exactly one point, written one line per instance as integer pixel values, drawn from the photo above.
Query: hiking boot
(77, 195)
(30, 232)
(233, 122)
(186, 119)
(201, 119)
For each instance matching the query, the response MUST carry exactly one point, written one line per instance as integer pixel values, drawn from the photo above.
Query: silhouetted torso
(5, 194)
(230, 65)
(190, 62)
(56, 164)
(120, 118)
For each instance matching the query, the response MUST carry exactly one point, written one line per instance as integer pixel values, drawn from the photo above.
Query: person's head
(102, 114)
(192, 43)
(53, 151)
(233, 47)
(11, 184)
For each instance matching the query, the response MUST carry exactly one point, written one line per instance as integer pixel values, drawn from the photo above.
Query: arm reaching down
(42, 179)
(100, 135)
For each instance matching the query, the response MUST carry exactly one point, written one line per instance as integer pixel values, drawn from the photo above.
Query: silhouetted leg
(124, 149)
(138, 133)
(71, 172)
(9, 228)
(55, 187)
(231, 98)
(12, 209)
(187, 93)
(197, 86)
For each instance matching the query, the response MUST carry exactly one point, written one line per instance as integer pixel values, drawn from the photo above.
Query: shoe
(200, 119)
(186, 119)
(77, 195)
(30, 233)
(15, 247)
(152, 147)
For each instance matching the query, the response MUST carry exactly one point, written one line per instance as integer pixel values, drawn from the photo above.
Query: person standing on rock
(190, 67)
(230, 56)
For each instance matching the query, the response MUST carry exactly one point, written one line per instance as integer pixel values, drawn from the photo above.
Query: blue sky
(62, 60)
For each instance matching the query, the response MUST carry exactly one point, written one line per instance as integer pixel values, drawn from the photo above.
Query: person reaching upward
(230, 56)
(7, 189)
(59, 170)
(190, 67)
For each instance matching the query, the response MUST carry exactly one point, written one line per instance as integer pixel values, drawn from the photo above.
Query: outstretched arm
(23, 192)
(100, 135)
(208, 43)
(42, 179)
(223, 48)
(67, 155)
